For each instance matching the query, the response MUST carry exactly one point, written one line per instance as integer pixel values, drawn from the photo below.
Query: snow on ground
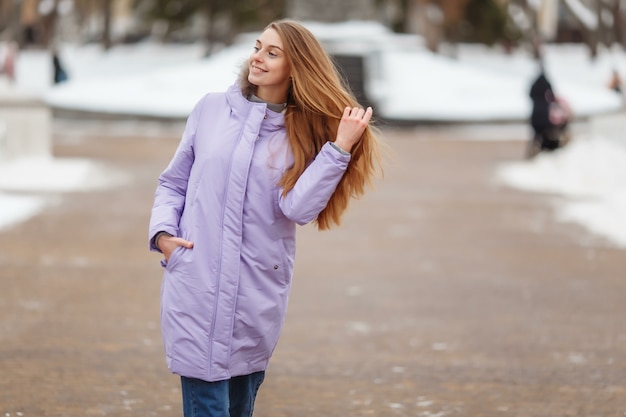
(62, 175)
(590, 175)
(468, 83)
(29, 184)
(17, 208)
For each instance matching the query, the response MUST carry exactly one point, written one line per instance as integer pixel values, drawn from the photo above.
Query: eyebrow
(271, 46)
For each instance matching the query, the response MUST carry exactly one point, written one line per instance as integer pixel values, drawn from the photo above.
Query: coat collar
(238, 103)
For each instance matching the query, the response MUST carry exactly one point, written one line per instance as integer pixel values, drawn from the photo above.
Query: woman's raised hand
(351, 127)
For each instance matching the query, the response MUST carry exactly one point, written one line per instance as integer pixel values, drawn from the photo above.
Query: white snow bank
(56, 175)
(590, 173)
(27, 183)
(18, 208)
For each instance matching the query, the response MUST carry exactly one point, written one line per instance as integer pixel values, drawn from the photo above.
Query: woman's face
(269, 69)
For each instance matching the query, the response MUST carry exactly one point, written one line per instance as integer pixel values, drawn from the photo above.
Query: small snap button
(275, 266)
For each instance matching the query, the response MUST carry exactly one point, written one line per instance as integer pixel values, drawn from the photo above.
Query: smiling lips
(257, 69)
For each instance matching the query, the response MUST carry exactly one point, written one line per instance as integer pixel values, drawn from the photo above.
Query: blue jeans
(230, 398)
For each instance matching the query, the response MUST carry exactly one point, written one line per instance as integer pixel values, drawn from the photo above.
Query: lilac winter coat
(223, 303)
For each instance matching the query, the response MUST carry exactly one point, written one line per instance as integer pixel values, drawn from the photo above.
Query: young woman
(287, 144)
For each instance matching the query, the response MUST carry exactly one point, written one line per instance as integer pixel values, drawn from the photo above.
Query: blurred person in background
(286, 144)
(549, 118)
(615, 83)
(60, 73)
(8, 56)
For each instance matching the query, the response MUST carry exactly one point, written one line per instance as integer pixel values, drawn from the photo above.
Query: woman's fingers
(358, 113)
(351, 127)
(173, 242)
(182, 242)
(168, 244)
(367, 115)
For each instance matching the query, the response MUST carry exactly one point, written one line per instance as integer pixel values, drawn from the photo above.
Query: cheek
(285, 72)
(285, 75)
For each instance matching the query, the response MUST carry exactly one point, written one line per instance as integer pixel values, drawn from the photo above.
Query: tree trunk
(107, 12)
(618, 22)
(14, 24)
(429, 23)
(590, 35)
(210, 13)
(49, 23)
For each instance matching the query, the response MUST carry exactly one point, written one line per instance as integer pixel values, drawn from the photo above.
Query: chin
(252, 78)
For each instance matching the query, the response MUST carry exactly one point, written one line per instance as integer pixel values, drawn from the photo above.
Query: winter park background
(470, 84)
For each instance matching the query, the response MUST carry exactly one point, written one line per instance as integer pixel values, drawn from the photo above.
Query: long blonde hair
(317, 98)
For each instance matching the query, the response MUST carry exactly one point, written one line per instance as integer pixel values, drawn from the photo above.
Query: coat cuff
(155, 240)
(343, 151)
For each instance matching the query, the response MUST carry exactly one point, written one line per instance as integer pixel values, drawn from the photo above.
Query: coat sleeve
(316, 185)
(169, 197)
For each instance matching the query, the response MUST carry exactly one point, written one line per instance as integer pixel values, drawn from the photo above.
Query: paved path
(443, 294)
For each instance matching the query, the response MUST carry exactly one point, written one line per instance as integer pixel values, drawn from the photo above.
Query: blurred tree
(615, 10)
(168, 15)
(600, 21)
(11, 27)
(223, 19)
(394, 14)
(429, 21)
(589, 22)
(332, 10)
(594, 22)
(48, 13)
(619, 16)
(429, 18)
(83, 12)
(107, 6)
(213, 10)
(485, 21)
(227, 18)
